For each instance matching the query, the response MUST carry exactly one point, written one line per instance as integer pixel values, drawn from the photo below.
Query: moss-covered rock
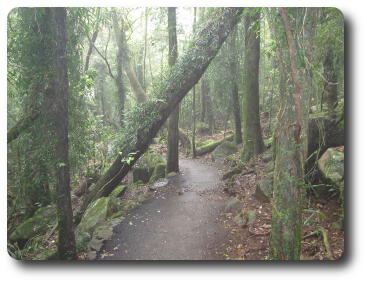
(149, 160)
(144, 168)
(158, 173)
(223, 150)
(331, 165)
(99, 214)
(119, 191)
(38, 224)
(95, 215)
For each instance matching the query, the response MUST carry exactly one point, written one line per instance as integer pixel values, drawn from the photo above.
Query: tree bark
(253, 142)
(173, 134)
(59, 93)
(184, 75)
(288, 172)
(235, 99)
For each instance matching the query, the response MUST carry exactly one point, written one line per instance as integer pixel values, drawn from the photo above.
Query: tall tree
(173, 133)
(253, 142)
(126, 60)
(288, 172)
(58, 91)
(193, 143)
(235, 97)
(121, 92)
(185, 74)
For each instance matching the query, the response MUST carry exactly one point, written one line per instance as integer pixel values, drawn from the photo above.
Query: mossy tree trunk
(183, 76)
(288, 172)
(59, 93)
(253, 142)
(173, 133)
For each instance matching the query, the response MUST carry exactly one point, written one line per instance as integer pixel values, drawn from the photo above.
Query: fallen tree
(144, 121)
(207, 148)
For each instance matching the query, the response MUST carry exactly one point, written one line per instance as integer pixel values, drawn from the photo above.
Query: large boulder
(144, 168)
(38, 224)
(223, 150)
(331, 164)
(96, 214)
(324, 132)
(159, 172)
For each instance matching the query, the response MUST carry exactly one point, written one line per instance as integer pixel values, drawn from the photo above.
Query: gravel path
(179, 223)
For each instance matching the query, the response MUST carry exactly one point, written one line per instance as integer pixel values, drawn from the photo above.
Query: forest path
(180, 222)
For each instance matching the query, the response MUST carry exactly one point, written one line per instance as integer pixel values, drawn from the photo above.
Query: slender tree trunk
(235, 98)
(203, 99)
(288, 172)
(173, 134)
(145, 49)
(204, 91)
(59, 92)
(193, 143)
(330, 86)
(90, 49)
(121, 93)
(125, 54)
(184, 75)
(253, 142)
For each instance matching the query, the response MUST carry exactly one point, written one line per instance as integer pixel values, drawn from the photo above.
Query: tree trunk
(121, 93)
(90, 50)
(203, 92)
(173, 134)
(122, 44)
(235, 99)
(330, 86)
(193, 143)
(184, 75)
(59, 94)
(288, 172)
(253, 142)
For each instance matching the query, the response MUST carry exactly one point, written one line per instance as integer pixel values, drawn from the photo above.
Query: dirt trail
(181, 222)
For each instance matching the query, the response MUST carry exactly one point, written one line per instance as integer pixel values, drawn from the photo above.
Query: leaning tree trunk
(22, 125)
(59, 93)
(173, 134)
(183, 76)
(253, 142)
(288, 172)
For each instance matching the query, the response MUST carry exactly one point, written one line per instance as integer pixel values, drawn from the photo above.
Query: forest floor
(187, 219)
